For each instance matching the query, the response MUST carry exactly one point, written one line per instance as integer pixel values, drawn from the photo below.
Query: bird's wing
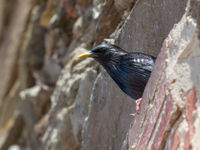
(138, 60)
(133, 74)
(138, 66)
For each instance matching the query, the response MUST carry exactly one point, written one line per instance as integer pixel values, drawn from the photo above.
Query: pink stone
(190, 107)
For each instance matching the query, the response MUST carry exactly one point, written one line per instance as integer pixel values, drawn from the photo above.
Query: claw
(138, 102)
(133, 114)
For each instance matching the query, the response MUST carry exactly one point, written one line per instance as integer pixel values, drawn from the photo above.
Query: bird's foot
(138, 102)
(134, 114)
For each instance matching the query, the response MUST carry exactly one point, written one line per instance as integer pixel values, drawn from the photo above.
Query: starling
(130, 70)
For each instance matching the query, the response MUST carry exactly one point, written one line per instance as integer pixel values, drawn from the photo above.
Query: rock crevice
(50, 100)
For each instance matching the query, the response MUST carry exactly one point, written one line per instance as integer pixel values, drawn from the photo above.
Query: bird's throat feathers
(111, 67)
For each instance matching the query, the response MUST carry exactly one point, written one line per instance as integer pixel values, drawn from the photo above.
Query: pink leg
(138, 102)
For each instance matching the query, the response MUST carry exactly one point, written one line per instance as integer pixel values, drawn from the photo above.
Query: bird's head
(103, 53)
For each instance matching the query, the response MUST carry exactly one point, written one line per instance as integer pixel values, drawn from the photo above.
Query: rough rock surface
(172, 124)
(50, 100)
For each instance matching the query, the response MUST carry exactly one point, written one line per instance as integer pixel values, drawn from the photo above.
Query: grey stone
(109, 120)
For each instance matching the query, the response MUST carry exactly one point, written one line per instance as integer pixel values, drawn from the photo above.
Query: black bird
(131, 71)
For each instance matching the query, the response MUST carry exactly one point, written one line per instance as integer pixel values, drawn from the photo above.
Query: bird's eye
(98, 51)
(101, 49)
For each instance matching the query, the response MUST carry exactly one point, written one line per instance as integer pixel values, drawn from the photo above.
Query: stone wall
(50, 100)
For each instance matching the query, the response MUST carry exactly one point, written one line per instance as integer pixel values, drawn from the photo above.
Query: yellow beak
(84, 55)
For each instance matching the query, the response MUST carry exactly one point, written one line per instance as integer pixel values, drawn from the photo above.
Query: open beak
(84, 55)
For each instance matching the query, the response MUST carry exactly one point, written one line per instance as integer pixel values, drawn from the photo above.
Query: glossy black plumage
(130, 71)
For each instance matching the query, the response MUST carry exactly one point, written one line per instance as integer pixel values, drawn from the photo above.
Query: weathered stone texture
(149, 23)
(119, 106)
(170, 123)
(8, 51)
(50, 100)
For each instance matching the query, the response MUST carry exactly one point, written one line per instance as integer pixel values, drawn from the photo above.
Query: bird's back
(132, 73)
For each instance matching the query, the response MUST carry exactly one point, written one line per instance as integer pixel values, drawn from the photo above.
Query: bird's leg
(138, 102)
